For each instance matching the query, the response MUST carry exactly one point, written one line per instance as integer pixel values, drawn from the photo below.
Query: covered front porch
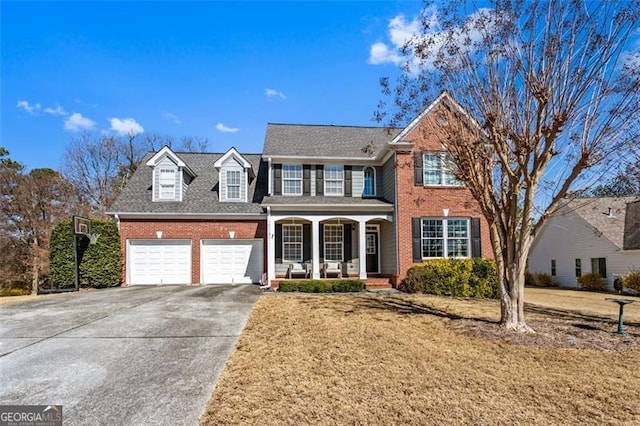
(316, 246)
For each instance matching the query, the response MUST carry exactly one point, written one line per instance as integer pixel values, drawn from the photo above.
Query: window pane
(233, 184)
(167, 183)
(292, 179)
(369, 181)
(578, 267)
(458, 247)
(432, 228)
(457, 228)
(292, 243)
(452, 234)
(333, 242)
(333, 176)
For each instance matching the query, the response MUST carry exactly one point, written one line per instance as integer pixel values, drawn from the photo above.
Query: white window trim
(444, 158)
(292, 179)
(284, 259)
(227, 185)
(445, 238)
(324, 232)
(341, 180)
(364, 180)
(174, 170)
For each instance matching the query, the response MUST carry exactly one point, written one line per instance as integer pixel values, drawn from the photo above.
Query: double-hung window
(292, 179)
(333, 180)
(233, 184)
(445, 238)
(599, 266)
(333, 242)
(292, 243)
(167, 181)
(438, 169)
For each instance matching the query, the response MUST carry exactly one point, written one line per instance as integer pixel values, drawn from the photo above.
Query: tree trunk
(35, 269)
(512, 298)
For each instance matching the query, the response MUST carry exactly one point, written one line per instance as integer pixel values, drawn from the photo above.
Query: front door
(373, 244)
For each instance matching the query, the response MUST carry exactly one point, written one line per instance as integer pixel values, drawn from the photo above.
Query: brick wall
(422, 201)
(194, 230)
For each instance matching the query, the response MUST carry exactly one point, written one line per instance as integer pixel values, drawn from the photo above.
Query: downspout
(395, 212)
(269, 184)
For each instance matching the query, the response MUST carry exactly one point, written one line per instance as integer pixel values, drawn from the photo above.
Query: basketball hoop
(93, 238)
(81, 226)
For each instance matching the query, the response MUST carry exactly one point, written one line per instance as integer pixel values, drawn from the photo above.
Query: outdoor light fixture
(159, 234)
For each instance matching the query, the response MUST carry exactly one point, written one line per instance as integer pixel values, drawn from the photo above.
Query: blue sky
(215, 70)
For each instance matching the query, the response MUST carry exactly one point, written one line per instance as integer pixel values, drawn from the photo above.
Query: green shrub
(545, 280)
(288, 286)
(591, 281)
(100, 264)
(322, 286)
(454, 277)
(632, 280)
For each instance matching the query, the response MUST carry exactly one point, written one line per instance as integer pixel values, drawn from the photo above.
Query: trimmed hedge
(454, 277)
(100, 263)
(592, 281)
(322, 286)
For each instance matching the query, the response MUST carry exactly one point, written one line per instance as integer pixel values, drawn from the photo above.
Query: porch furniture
(297, 270)
(332, 268)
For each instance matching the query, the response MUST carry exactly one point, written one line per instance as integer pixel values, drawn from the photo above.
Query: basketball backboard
(81, 226)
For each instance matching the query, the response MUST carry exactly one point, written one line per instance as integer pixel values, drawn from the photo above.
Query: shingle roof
(632, 226)
(595, 211)
(306, 200)
(201, 196)
(326, 141)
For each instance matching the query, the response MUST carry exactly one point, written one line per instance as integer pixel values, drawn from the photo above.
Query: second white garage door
(159, 262)
(231, 261)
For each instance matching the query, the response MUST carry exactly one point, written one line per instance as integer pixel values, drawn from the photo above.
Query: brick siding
(194, 230)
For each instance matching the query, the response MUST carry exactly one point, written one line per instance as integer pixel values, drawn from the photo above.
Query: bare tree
(554, 93)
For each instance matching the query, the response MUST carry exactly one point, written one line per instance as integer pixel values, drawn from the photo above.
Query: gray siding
(388, 176)
(388, 254)
(165, 163)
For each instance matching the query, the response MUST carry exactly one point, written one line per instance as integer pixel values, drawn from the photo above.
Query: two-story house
(320, 201)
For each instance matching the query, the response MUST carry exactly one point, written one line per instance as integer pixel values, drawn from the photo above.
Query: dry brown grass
(426, 360)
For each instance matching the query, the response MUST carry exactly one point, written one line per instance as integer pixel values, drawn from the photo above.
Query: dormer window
(233, 184)
(235, 173)
(167, 182)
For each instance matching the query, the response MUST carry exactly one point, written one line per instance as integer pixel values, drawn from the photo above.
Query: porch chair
(332, 268)
(297, 270)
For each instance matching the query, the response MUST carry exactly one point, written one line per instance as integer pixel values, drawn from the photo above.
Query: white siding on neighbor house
(232, 164)
(166, 163)
(388, 254)
(356, 181)
(566, 238)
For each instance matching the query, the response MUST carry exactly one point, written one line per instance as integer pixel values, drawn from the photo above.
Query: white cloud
(58, 110)
(380, 54)
(171, 116)
(76, 122)
(126, 126)
(271, 93)
(400, 31)
(26, 106)
(224, 129)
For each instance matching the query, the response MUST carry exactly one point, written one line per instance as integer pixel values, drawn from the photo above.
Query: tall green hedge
(100, 263)
(454, 277)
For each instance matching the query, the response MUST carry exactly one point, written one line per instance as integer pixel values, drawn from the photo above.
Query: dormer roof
(233, 153)
(167, 152)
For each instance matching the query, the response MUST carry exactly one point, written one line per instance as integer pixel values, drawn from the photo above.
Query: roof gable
(232, 154)
(167, 152)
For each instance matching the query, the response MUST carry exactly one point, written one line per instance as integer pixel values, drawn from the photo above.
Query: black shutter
(306, 242)
(321, 239)
(306, 179)
(278, 243)
(476, 245)
(319, 180)
(347, 181)
(416, 239)
(277, 179)
(417, 168)
(347, 242)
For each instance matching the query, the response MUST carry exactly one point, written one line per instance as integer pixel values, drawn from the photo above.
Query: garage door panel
(159, 262)
(231, 261)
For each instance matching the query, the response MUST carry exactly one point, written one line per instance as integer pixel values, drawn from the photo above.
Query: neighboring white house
(589, 235)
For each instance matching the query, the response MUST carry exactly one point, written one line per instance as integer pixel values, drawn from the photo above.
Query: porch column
(315, 248)
(271, 249)
(362, 248)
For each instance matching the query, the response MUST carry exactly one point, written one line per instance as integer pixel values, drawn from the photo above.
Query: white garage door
(159, 262)
(231, 261)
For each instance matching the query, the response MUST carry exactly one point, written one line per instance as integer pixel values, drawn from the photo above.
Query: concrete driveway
(125, 356)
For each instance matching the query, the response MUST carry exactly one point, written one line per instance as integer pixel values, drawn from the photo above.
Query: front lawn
(367, 359)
